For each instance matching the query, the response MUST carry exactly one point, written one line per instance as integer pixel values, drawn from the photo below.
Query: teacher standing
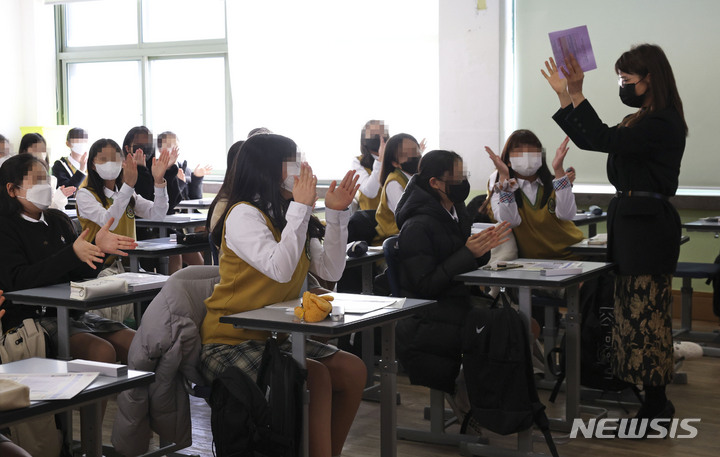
(644, 154)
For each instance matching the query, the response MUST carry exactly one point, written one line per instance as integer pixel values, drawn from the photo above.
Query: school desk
(591, 220)
(162, 249)
(275, 318)
(174, 222)
(89, 401)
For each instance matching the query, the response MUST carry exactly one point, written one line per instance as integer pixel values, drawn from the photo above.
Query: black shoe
(668, 412)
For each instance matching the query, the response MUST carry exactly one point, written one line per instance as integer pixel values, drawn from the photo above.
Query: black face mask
(458, 193)
(411, 165)
(630, 98)
(372, 144)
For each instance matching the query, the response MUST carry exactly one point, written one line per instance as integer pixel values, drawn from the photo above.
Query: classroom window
(159, 63)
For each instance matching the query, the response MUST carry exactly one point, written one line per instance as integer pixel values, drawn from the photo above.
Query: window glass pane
(187, 97)
(100, 23)
(105, 98)
(182, 20)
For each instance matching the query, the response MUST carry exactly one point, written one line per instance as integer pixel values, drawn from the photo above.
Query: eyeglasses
(622, 82)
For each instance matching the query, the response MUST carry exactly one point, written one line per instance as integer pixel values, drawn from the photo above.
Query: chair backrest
(390, 249)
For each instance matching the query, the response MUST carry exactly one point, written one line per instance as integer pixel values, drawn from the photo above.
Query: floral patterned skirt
(642, 335)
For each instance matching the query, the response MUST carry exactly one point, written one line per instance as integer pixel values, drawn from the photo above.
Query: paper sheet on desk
(53, 386)
(361, 304)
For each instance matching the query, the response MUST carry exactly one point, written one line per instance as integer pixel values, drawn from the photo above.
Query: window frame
(144, 53)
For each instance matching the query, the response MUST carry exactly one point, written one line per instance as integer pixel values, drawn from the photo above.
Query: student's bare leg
(91, 347)
(174, 263)
(320, 408)
(193, 258)
(348, 374)
(120, 341)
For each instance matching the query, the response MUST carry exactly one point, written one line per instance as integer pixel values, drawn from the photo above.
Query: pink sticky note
(576, 41)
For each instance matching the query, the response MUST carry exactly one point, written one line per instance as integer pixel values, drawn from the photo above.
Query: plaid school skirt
(216, 358)
(642, 334)
(86, 323)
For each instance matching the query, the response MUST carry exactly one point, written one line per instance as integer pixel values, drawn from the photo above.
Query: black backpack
(597, 304)
(263, 418)
(498, 372)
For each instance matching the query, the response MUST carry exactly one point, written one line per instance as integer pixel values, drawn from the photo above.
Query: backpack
(498, 372)
(260, 418)
(597, 304)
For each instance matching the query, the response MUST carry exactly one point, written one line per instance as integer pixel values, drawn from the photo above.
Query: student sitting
(190, 184)
(270, 241)
(70, 171)
(368, 164)
(190, 189)
(39, 247)
(435, 245)
(34, 144)
(400, 162)
(4, 149)
(540, 209)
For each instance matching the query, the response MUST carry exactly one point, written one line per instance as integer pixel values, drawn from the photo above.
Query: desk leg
(163, 231)
(91, 429)
(572, 354)
(134, 264)
(298, 353)
(164, 264)
(592, 230)
(63, 322)
(367, 279)
(388, 386)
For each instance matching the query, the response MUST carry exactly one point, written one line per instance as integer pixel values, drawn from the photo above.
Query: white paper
(53, 386)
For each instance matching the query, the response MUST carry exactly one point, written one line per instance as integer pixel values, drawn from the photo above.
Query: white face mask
(527, 164)
(78, 148)
(39, 195)
(108, 170)
(293, 169)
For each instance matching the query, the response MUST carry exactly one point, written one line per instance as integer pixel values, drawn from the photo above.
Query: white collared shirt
(248, 236)
(30, 219)
(453, 214)
(565, 207)
(369, 183)
(74, 163)
(89, 208)
(394, 192)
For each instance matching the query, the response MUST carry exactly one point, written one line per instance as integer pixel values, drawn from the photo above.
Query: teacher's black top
(643, 231)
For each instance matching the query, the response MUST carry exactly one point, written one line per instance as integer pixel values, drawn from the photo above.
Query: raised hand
(140, 157)
(381, 149)
(480, 243)
(181, 174)
(67, 191)
(86, 251)
(174, 154)
(422, 146)
(339, 197)
(502, 168)
(560, 154)
(553, 78)
(83, 161)
(160, 166)
(112, 243)
(129, 167)
(574, 75)
(201, 171)
(305, 187)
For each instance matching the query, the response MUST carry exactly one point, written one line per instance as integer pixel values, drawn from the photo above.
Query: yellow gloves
(314, 308)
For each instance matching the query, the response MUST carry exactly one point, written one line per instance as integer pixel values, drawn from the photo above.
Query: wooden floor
(699, 398)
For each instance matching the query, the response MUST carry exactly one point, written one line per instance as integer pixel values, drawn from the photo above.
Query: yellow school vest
(125, 227)
(541, 235)
(386, 225)
(243, 288)
(364, 201)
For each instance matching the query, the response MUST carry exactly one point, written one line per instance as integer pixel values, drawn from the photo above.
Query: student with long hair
(270, 240)
(644, 152)
(538, 204)
(39, 247)
(368, 164)
(110, 189)
(35, 144)
(5, 152)
(435, 245)
(400, 163)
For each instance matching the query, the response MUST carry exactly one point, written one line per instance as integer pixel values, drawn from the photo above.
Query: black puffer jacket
(432, 252)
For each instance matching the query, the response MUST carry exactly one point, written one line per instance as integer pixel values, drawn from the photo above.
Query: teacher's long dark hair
(256, 177)
(649, 59)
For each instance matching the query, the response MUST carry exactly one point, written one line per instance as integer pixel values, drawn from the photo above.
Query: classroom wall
(470, 61)
(27, 71)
